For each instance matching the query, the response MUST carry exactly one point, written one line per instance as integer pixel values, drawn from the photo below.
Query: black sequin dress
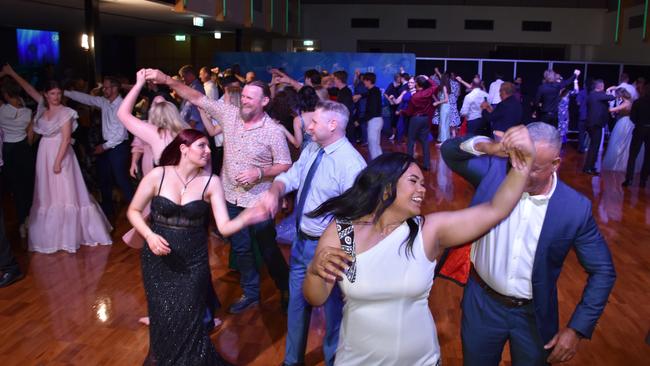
(175, 285)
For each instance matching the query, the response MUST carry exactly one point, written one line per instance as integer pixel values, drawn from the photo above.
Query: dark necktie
(305, 188)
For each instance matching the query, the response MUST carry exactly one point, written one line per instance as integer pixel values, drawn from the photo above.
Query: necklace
(185, 184)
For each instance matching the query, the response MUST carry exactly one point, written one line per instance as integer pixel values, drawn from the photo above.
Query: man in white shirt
(113, 156)
(324, 170)
(471, 110)
(8, 265)
(512, 291)
(211, 89)
(493, 92)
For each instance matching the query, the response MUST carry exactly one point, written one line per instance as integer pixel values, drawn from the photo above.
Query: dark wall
(117, 57)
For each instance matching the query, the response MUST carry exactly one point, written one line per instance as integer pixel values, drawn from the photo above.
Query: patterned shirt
(259, 146)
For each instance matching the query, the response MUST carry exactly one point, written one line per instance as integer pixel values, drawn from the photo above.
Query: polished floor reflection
(82, 309)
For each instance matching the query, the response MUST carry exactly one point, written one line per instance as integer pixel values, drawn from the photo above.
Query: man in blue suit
(511, 294)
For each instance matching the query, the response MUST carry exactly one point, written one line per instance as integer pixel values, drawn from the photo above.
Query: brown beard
(246, 116)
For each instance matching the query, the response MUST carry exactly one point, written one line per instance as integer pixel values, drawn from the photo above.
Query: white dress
(386, 316)
(618, 147)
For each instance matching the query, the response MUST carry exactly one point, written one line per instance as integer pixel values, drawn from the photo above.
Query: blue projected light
(37, 47)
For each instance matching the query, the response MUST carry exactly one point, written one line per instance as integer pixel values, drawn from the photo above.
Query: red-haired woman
(175, 268)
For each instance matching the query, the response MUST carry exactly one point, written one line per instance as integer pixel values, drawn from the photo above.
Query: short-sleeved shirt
(259, 146)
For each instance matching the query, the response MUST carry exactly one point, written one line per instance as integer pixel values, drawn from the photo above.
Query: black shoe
(591, 172)
(284, 300)
(242, 304)
(10, 277)
(626, 183)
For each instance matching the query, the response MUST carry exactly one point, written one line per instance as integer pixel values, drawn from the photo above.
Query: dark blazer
(505, 115)
(568, 224)
(598, 108)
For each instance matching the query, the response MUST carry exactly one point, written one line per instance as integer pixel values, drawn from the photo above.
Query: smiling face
(253, 102)
(410, 191)
(198, 152)
(321, 126)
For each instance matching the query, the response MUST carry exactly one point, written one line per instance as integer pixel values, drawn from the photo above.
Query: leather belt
(508, 301)
(302, 235)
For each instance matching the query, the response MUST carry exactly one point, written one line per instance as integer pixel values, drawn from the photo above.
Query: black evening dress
(175, 285)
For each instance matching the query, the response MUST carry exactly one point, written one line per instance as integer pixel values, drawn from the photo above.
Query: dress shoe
(242, 304)
(591, 172)
(10, 277)
(626, 183)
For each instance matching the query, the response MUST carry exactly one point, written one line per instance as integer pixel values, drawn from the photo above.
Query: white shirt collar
(542, 198)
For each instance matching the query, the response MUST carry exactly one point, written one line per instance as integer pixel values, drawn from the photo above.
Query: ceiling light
(84, 42)
(217, 35)
(197, 21)
(179, 38)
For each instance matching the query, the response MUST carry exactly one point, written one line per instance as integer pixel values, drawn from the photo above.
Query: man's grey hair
(545, 133)
(338, 108)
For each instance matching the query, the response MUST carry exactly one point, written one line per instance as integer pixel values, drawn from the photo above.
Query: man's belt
(508, 301)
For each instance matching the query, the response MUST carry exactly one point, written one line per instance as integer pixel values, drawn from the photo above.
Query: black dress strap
(161, 180)
(345, 229)
(206, 187)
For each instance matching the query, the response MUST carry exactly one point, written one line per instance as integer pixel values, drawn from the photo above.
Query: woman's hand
(133, 170)
(519, 146)
(330, 263)
(57, 167)
(158, 244)
(140, 77)
(8, 70)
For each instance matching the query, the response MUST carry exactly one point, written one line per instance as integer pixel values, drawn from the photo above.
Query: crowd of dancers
(218, 147)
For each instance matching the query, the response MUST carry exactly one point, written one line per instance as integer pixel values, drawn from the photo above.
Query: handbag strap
(345, 230)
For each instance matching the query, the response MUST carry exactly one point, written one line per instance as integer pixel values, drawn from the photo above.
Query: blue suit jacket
(568, 224)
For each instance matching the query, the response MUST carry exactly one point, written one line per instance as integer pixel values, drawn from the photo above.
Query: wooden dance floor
(83, 308)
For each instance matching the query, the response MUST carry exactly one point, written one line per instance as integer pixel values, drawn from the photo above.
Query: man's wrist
(578, 334)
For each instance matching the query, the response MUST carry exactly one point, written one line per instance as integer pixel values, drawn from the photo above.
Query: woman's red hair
(172, 153)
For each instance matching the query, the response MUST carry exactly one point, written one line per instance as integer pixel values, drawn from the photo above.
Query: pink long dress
(63, 214)
(132, 238)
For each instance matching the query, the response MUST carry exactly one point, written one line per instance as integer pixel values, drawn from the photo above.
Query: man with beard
(255, 151)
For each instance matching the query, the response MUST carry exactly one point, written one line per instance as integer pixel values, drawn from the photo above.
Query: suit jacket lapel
(551, 225)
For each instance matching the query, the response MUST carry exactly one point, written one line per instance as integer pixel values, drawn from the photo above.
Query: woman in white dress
(63, 215)
(383, 254)
(618, 147)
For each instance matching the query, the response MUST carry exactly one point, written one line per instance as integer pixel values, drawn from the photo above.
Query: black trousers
(112, 168)
(595, 136)
(419, 130)
(582, 134)
(640, 136)
(18, 174)
(550, 118)
(478, 126)
(7, 259)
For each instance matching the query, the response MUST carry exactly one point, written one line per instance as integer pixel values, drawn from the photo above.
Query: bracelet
(260, 173)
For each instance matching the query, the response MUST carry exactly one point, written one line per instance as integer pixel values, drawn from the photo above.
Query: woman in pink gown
(63, 215)
(150, 138)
